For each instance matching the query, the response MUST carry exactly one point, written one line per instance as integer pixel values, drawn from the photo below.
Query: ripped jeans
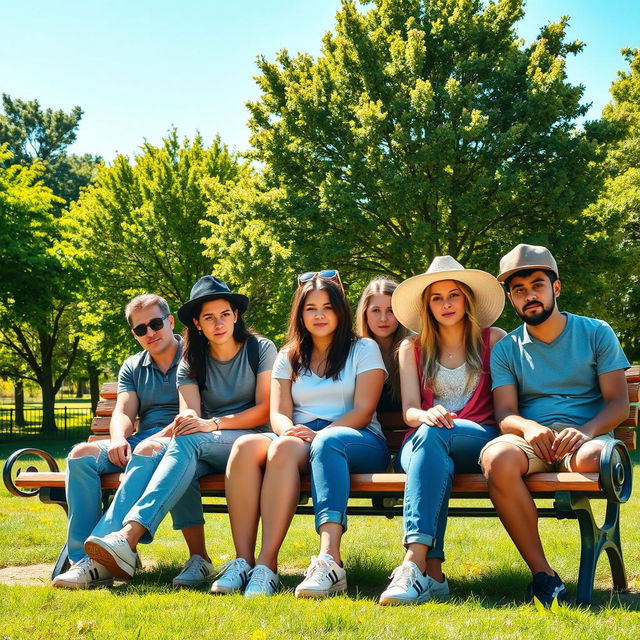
(84, 493)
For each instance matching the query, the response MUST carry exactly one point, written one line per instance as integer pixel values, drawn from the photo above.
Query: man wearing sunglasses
(147, 389)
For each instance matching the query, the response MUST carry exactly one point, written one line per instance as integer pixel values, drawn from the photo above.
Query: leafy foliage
(425, 128)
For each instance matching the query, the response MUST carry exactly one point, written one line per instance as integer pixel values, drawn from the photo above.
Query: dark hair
(299, 341)
(196, 347)
(525, 273)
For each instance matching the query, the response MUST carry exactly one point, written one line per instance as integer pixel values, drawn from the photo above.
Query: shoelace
(318, 568)
(259, 577)
(402, 576)
(233, 566)
(84, 564)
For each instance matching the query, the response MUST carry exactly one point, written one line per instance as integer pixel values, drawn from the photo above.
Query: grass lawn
(487, 578)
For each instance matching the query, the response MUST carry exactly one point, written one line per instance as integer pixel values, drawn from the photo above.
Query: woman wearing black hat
(223, 385)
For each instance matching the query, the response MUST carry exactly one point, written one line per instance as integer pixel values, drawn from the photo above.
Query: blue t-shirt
(558, 382)
(157, 392)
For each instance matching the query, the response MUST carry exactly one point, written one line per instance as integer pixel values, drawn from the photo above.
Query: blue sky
(137, 67)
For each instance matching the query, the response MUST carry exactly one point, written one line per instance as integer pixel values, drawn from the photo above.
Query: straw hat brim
(406, 300)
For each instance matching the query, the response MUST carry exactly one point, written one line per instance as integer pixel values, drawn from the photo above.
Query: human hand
(300, 431)
(193, 424)
(438, 416)
(119, 452)
(541, 440)
(568, 441)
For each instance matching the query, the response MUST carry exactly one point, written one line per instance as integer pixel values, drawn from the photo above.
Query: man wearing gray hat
(559, 389)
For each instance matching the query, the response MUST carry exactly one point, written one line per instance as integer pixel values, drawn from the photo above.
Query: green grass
(487, 577)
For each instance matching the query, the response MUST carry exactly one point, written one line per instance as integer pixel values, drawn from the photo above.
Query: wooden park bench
(571, 492)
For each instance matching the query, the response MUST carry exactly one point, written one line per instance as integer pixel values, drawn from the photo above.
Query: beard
(540, 317)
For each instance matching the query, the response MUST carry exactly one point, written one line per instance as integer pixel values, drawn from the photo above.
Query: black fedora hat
(210, 288)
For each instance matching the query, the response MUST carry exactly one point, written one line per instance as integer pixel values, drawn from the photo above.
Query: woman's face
(216, 321)
(318, 314)
(379, 316)
(447, 302)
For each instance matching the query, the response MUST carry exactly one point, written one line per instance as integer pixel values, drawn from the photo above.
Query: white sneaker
(262, 582)
(84, 574)
(233, 577)
(409, 586)
(112, 551)
(323, 577)
(196, 570)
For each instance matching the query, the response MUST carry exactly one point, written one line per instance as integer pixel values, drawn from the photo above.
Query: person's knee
(587, 458)
(427, 436)
(149, 448)
(285, 451)
(325, 441)
(502, 463)
(83, 450)
(249, 448)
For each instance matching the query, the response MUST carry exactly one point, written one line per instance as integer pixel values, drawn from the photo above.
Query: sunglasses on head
(329, 274)
(155, 324)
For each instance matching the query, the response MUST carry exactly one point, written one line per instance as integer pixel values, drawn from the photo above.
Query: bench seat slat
(360, 482)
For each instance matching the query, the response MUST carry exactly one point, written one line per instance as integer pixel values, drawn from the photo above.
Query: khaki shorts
(536, 464)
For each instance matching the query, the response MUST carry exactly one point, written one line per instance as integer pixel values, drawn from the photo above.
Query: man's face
(533, 297)
(155, 342)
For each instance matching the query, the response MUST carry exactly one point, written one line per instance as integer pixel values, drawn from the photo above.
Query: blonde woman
(446, 400)
(375, 319)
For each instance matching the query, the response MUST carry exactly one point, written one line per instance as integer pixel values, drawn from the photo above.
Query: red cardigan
(479, 408)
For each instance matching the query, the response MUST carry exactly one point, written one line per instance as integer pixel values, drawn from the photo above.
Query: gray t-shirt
(231, 385)
(157, 392)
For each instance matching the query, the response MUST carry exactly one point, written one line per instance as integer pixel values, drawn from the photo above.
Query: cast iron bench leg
(593, 541)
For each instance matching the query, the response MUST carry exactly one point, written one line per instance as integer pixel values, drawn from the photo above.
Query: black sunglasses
(155, 324)
(330, 274)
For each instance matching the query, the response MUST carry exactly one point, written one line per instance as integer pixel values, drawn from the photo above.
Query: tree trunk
(48, 409)
(18, 395)
(94, 385)
(80, 388)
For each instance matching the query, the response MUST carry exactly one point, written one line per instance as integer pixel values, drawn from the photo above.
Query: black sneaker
(547, 588)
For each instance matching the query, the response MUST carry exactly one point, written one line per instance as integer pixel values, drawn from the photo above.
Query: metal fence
(72, 423)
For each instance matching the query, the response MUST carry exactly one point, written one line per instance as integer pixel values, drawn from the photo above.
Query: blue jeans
(430, 457)
(84, 493)
(335, 453)
(172, 485)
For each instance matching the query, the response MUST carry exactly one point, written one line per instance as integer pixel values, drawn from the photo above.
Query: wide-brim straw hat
(489, 295)
(210, 288)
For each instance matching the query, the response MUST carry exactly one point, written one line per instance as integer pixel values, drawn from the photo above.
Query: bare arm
(281, 405)
(365, 400)
(190, 420)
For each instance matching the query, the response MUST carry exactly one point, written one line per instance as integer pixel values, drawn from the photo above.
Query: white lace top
(450, 387)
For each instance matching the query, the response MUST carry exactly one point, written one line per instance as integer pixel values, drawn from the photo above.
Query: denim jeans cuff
(435, 553)
(420, 538)
(178, 526)
(147, 536)
(327, 515)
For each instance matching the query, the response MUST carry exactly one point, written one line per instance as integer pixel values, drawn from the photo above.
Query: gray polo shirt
(231, 385)
(157, 391)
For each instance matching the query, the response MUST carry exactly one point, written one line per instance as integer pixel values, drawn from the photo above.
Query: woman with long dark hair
(326, 384)
(223, 387)
(446, 400)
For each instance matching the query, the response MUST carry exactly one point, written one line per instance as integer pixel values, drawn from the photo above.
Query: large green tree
(618, 209)
(424, 128)
(37, 288)
(138, 229)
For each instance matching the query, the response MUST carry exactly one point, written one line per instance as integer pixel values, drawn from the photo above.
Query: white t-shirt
(326, 398)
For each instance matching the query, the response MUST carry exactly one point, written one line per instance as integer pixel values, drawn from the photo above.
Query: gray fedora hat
(406, 300)
(527, 256)
(210, 288)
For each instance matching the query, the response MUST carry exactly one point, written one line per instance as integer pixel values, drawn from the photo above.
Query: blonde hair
(383, 287)
(430, 334)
